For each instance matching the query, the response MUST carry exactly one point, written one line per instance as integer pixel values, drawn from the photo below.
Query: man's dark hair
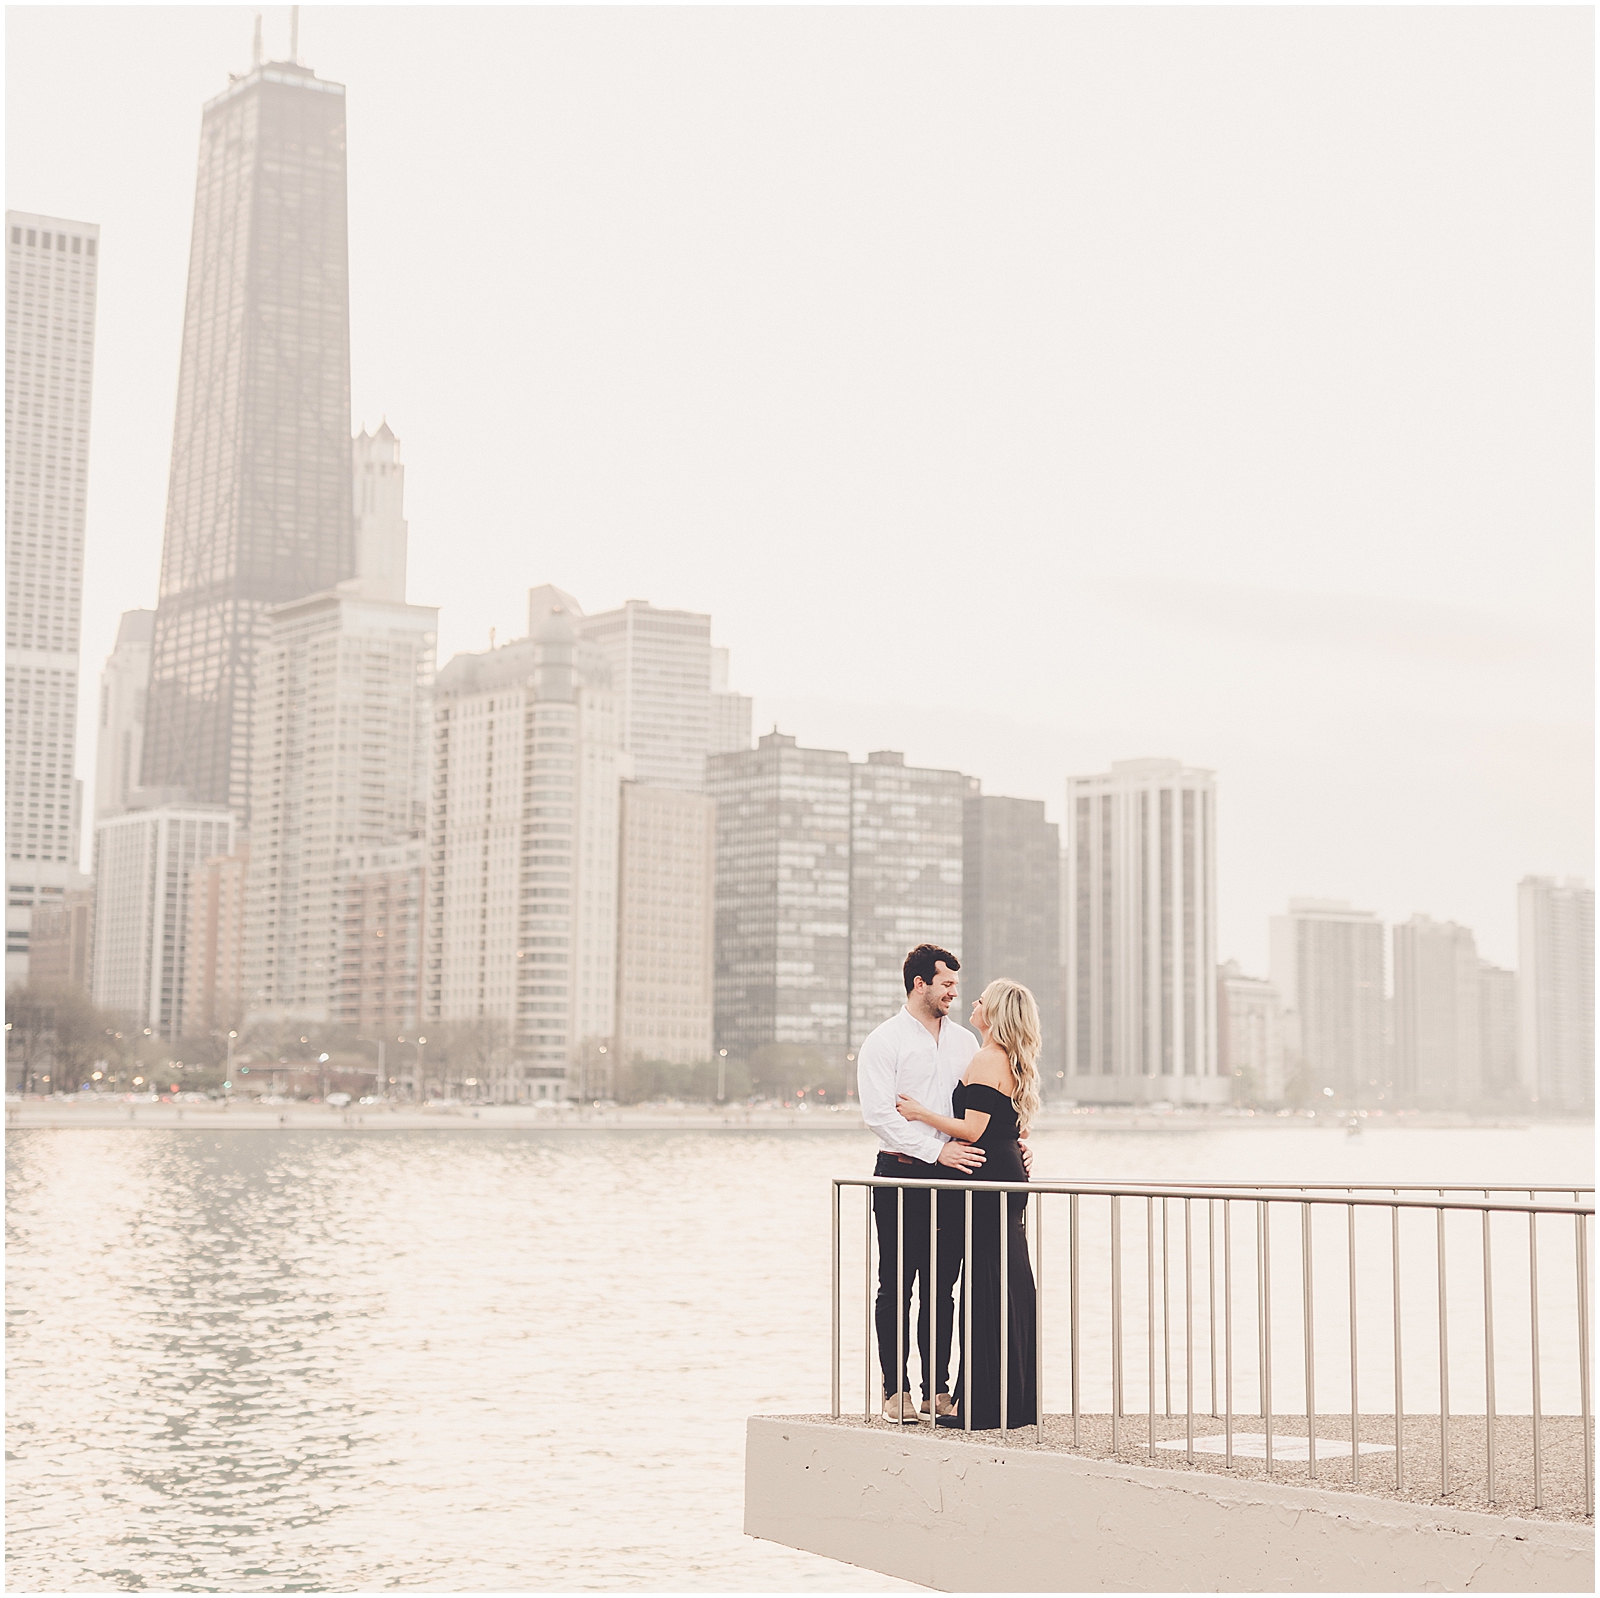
(921, 961)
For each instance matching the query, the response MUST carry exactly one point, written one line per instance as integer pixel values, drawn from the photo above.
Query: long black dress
(1003, 1164)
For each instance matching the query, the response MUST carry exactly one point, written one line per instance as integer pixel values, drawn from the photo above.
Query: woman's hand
(909, 1108)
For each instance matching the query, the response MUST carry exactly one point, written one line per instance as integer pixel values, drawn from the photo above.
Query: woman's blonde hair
(1013, 1019)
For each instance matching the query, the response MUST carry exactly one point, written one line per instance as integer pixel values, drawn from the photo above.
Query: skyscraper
(782, 896)
(522, 846)
(1327, 964)
(342, 729)
(1141, 920)
(143, 864)
(906, 834)
(1497, 1030)
(660, 664)
(1437, 1039)
(664, 924)
(124, 687)
(51, 273)
(730, 712)
(1555, 991)
(1011, 909)
(378, 490)
(258, 498)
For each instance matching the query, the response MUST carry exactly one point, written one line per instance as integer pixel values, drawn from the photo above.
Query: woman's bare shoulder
(989, 1067)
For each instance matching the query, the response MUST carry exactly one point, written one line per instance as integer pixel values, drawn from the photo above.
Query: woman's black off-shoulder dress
(1002, 1164)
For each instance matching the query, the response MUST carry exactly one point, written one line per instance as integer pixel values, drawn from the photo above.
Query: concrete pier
(957, 1515)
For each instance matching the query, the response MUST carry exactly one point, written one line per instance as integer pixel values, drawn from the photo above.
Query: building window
(16, 235)
(77, 245)
(32, 237)
(91, 247)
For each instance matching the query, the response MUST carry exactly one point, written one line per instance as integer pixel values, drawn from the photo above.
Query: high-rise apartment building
(906, 836)
(660, 664)
(213, 987)
(1555, 986)
(730, 712)
(522, 845)
(340, 762)
(1438, 1056)
(52, 267)
(664, 924)
(259, 494)
(1250, 1036)
(1497, 1031)
(380, 940)
(1328, 967)
(1011, 909)
(377, 492)
(119, 739)
(1141, 921)
(144, 861)
(782, 921)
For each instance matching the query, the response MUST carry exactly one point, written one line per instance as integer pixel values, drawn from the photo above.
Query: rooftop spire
(294, 34)
(255, 44)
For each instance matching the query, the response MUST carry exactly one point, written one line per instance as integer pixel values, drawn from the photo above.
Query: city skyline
(1358, 691)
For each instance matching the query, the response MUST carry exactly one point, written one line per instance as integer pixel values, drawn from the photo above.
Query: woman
(995, 1103)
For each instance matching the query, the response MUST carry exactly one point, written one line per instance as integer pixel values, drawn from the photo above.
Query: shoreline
(104, 1112)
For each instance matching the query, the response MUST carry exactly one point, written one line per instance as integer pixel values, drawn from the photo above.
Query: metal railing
(1428, 1243)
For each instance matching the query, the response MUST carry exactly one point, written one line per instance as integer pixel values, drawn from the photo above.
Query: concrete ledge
(967, 1517)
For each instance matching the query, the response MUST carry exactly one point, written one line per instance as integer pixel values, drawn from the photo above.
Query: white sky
(1025, 388)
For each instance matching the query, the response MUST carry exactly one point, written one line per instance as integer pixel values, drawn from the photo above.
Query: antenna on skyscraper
(255, 44)
(294, 34)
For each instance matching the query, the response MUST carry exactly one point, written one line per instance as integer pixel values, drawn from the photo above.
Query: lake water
(467, 1360)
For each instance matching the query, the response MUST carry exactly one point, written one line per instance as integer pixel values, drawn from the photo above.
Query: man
(920, 1051)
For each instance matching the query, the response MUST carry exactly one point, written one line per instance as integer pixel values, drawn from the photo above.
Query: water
(467, 1360)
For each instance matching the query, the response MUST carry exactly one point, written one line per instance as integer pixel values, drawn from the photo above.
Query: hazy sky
(1025, 389)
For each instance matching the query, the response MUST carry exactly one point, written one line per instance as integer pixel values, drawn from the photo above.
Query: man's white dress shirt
(901, 1057)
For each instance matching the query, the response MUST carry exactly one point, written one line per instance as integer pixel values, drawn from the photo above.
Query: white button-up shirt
(901, 1057)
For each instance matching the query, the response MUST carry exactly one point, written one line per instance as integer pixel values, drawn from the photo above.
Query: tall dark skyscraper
(258, 501)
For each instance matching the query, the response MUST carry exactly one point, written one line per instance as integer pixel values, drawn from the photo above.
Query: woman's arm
(968, 1129)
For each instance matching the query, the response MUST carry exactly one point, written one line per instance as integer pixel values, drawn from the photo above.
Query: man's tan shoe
(943, 1404)
(901, 1407)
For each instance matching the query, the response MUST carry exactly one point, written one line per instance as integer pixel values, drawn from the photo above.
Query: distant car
(337, 1100)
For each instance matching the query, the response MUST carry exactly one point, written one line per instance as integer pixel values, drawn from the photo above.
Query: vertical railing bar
(1038, 1319)
(1211, 1288)
(1188, 1325)
(900, 1305)
(1533, 1313)
(1005, 1304)
(1355, 1369)
(1580, 1227)
(866, 1306)
(1073, 1262)
(1227, 1322)
(1444, 1362)
(966, 1318)
(837, 1375)
(1308, 1311)
(1265, 1230)
(1399, 1384)
(937, 1301)
(1166, 1313)
(1116, 1326)
(1488, 1359)
(1150, 1315)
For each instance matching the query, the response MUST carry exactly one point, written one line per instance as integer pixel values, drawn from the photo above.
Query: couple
(947, 1107)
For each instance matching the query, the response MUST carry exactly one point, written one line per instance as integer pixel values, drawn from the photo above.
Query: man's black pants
(885, 1212)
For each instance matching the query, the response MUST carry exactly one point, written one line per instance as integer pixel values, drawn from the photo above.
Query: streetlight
(722, 1075)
